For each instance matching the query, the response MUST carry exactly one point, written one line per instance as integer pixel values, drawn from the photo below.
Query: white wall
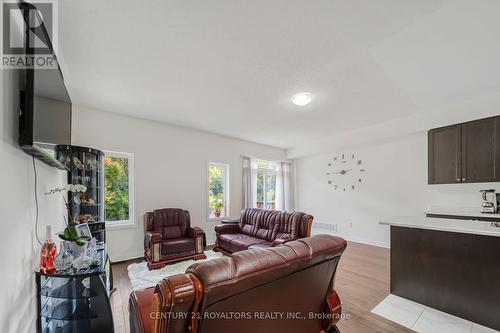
(170, 168)
(394, 184)
(462, 110)
(18, 246)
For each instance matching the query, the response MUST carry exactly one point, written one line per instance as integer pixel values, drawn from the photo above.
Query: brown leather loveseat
(288, 288)
(260, 228)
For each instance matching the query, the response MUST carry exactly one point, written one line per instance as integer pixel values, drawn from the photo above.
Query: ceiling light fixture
(302, 98)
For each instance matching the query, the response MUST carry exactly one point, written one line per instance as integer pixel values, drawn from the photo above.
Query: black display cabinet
(75, 301)
(85, 167)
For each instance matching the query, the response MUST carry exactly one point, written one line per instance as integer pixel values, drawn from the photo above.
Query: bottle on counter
(48, 254)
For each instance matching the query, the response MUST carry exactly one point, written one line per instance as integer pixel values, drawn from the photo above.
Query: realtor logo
(28, 35)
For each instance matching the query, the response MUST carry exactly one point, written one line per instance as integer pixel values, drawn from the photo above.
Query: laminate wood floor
(362, 282)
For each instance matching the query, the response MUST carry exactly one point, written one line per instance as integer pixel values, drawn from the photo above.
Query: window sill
(120, 225)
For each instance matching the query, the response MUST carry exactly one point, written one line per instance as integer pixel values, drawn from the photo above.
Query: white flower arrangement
(70, 233)
(75, 188)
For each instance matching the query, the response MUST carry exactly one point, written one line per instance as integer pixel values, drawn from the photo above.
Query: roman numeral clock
(345, 172)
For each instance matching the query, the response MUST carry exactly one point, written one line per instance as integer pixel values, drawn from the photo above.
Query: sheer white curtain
(249, 182)
(284, 190)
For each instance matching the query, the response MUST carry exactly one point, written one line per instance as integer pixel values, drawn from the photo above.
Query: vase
(64, 258)
(77, 250)
(75, 208)
(82, 262)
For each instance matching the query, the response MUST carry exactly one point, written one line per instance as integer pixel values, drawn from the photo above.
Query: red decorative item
(47, 255)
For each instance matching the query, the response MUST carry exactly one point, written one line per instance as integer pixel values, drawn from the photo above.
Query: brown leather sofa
(260, 228)
(288, 288)
(170, 237)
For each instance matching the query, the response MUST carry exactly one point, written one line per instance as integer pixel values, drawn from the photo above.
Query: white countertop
(451, 225)
(460, 211)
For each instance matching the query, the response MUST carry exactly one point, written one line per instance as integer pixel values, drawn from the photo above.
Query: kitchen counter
(442, 224)
(448, 265)
(464, 213)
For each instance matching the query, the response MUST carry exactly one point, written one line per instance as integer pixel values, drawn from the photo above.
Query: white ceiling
(231, 66)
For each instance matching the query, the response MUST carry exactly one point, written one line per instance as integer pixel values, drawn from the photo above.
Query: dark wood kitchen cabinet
(465, 153)
(445, 155)
(479, 150)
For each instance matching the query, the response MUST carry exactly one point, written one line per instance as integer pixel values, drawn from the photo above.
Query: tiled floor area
(423, 319)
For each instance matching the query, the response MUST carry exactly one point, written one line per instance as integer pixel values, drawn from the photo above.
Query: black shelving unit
(85, 166)
(75, 301)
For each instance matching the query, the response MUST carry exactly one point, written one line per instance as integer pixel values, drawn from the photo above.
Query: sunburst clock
(345, 172)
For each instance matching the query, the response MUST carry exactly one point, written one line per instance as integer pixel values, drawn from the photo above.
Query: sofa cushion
(287, 225)
(237, 242)
(265, 225)
(177, 245)
(244, 242)
(271, 224)
(248, 221)
(227, 238)
(258, 223)
(224, 241)
(265, 245)
(171, 222)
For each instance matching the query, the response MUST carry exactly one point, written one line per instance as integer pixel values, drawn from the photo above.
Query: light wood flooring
(362, 282)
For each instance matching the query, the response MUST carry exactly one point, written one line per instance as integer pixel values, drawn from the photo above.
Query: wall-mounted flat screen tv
(45, 115)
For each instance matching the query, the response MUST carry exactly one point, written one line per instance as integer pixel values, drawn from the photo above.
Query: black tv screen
(45, 118)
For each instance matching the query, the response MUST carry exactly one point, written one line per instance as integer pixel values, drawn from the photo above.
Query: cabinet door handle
(458, 179)
(463, 179)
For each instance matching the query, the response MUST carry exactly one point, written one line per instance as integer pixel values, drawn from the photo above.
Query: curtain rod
(265, 159)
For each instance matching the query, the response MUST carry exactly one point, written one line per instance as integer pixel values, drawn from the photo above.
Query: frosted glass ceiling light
(302, 98)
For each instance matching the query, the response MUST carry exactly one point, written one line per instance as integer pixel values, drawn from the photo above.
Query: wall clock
(345, 172)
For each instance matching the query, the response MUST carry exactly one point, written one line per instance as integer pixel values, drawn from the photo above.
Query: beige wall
(170, 168)
(394, 184)
(18, 247)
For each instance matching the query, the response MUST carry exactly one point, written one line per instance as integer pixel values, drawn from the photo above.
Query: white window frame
(266, 172)
(226, 191)
(131, 222)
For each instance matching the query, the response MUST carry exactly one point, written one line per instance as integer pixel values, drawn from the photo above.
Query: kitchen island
(447, 264)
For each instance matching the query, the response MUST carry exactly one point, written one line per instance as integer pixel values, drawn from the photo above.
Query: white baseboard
(124, 257)
(367, 241)
(351, 239)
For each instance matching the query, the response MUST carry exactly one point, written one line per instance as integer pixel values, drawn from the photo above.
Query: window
(266, 184)
(218, 190)
(119, 188)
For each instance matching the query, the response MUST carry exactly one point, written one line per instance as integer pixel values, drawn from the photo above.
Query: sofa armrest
(195, 232)
(151, 237)
(199, 235)
(152, 245)
(230, 228)
(140, 306)
(175, 304)
(148, 221)
(169, 307)
(280, 241)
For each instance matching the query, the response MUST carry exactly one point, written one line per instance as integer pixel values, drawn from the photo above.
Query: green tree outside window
(216, 181)
(116, 183)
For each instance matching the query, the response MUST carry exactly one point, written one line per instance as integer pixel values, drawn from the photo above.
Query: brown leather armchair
(288, 288)
(260, 228)
(170, 237)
